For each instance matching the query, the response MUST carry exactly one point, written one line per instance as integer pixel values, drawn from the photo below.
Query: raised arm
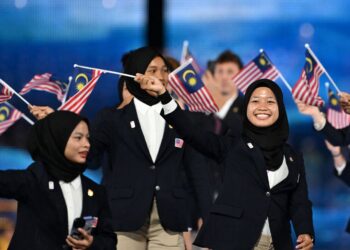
(14, 184)
(338, 137)
(205, 142)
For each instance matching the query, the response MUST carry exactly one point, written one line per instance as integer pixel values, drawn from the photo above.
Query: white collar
(143, 107)
(76, 183)
(225, 108)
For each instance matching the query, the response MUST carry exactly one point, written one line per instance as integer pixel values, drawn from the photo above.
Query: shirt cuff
(319, 126)
(169, 107)
(341, 168)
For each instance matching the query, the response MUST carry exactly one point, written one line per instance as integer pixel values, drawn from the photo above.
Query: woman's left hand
(305, 242)
(82, 244)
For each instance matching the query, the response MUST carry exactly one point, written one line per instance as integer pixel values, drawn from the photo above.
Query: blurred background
(39, 36)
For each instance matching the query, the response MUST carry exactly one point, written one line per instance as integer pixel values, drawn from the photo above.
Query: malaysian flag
(307, 87)
(5, 94)
(44, 82)
(335, 115)
(8, 116)
(260, 67)
(80, 90)
(187, 55)
(188, 86)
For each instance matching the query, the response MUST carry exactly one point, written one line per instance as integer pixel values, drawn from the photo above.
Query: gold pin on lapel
(90, 193)
(170, 126)
(291, 159)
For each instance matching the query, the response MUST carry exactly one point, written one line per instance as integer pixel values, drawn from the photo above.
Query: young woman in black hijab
(264, 186)
(52, 191)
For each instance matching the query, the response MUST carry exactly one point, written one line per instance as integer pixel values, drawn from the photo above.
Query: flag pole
(307, 46)
(22, 115)
(281, 76)
(70, 78)
(3, 83)
(184, 49)
(103, 70)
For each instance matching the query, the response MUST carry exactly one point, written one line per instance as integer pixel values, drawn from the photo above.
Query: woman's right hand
(40, 112)
(152, 85)
(310, 110)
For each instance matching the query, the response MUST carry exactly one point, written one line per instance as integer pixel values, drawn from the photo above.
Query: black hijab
(47, 142)
(137, 61)
(272, 138)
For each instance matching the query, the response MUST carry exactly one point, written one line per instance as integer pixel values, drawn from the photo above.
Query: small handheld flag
(335, 115)
(260, 67)
(44, 82)
(307, 87)
(188, 86)
(8, 116)
(80, 90)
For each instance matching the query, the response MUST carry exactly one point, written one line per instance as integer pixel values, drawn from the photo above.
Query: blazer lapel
(88, 198)
(134, 130)
(56, 198)
(259, 161)
(166, 141)
(293, 172)
(53, 192)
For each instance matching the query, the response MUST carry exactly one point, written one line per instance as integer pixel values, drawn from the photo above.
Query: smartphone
(88, 223)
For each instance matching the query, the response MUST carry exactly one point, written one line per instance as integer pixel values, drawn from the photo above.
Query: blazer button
(157, 188)
(152, 167)
(268, 194)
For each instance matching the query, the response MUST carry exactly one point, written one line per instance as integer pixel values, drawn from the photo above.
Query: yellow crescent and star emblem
(262, 61)
(80, 84)
(334, 101)
(309, 62)
(192, 79)
(4, 113)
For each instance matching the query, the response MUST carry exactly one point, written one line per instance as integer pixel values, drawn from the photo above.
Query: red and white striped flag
(189, 87)
(335, 114)
(8, 116)
(5, 94)
(338, 119)
(307, 87)
(260, 67)
(44, 82)
(77, 101)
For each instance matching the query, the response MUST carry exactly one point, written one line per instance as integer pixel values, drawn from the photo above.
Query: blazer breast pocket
(235, 212)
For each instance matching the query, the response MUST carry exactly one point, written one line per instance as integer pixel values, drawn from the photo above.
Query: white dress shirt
(152, 125)
(275, 177)
(73, 196)
(226, 107)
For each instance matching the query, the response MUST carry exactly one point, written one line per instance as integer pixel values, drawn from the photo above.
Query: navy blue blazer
(337, 137)
(246, 200)
(345, 177)
(132, 179)
(42, 221)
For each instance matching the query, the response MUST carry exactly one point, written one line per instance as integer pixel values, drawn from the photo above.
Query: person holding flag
(52, 192)
(149, 204)
(259, 163)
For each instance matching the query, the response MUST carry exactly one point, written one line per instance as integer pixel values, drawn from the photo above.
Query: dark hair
(229, 56)
(172, 63)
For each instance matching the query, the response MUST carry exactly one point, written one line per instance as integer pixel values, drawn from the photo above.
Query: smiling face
(158, 69)
(262, 110)
(78, 145)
